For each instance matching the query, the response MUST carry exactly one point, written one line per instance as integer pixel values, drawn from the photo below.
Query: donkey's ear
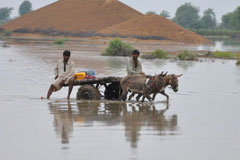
(165, 73)
(180, 75)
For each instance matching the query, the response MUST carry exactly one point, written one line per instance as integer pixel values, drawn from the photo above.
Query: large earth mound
(154, 27)
(75, 16)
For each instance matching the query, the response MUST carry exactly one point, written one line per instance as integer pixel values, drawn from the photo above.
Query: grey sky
(220, 7)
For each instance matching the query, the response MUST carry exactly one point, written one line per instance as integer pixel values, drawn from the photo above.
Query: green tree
(227, 20)
(187, 15)
(236, 19)
(25, 8)
(5, 13)
(196, 25)
(232, 20)
(208, 21)
(165, 14)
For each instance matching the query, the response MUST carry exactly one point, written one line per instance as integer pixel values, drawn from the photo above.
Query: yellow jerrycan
(79, 75)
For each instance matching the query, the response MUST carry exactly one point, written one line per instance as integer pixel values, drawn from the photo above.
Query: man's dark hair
(135, 51)
(66, 53)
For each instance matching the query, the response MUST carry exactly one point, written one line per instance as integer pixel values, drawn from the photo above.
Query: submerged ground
(201, 121)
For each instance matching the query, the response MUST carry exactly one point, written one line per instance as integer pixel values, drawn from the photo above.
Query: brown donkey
(156, 88)
(142, 85)
(135, 84)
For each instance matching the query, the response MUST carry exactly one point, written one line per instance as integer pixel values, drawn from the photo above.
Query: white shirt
(59, 69)
(131, 70)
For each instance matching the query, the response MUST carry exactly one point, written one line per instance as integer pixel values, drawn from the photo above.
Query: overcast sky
(220, 7)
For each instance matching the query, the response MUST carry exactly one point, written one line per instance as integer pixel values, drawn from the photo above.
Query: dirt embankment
(75, 16)
(89, 18)
(154, 26)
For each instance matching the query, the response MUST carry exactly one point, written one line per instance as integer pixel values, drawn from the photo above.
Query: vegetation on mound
(5, 33)
(159, 54)
(185, 55)
(59, 41)
(118, 48)
(226, 55)
(150, 13)
(238, 62)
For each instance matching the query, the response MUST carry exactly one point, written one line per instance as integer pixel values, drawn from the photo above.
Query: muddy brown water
(201, 121)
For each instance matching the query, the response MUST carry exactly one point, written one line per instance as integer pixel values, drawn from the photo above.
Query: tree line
(188, 16)
(24, 8)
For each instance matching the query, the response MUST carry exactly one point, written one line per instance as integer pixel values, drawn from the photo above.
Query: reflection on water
(185, 64)
(63, 122)
(220, 46)
(135, 117)
(116, 62)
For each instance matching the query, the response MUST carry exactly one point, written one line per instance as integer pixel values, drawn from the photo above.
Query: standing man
(134, 66)
(64, 74)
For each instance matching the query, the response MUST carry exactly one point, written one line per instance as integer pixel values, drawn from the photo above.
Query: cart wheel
(112, 91)
(88, 92)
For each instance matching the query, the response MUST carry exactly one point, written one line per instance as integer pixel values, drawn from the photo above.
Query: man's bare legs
(70, 87)
(52, 87)
(50, 90)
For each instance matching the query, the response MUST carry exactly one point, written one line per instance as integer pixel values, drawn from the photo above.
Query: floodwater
(221, 46)
(200, 122)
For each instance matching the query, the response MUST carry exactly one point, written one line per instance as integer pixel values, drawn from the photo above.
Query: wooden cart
(90, 88)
